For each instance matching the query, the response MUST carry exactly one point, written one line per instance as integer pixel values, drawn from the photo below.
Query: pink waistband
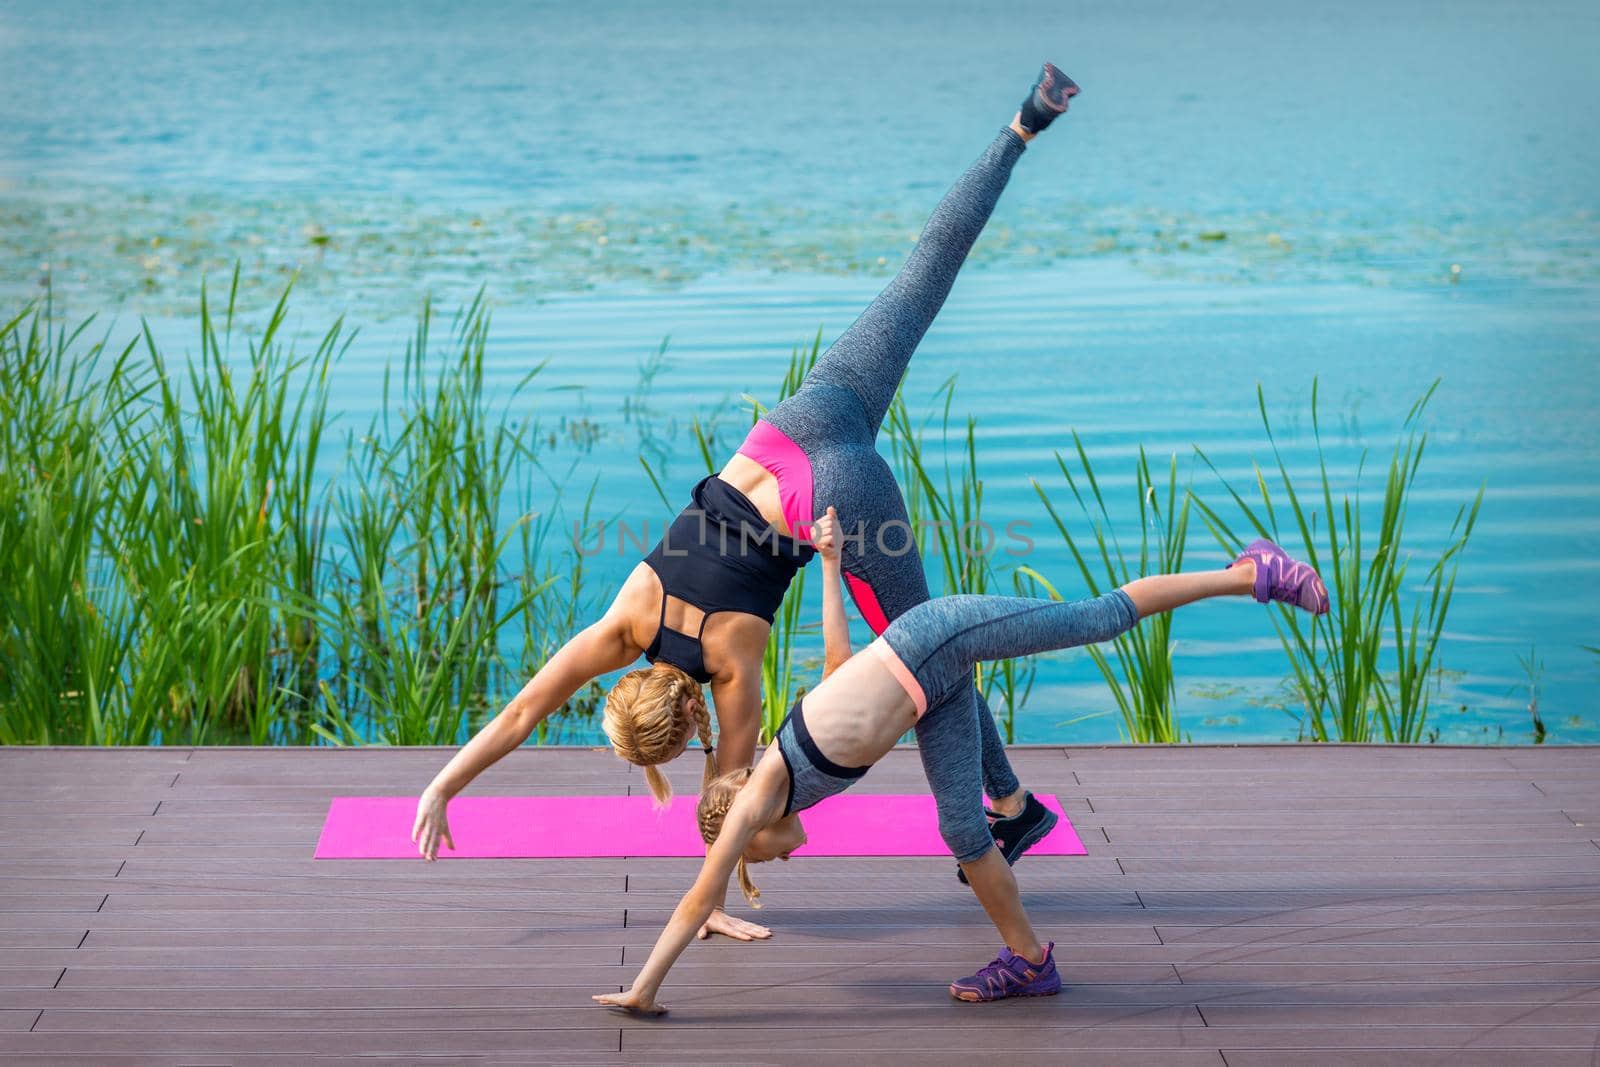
(783, 459)
(902, 674)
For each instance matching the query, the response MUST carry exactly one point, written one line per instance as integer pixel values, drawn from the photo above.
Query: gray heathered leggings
(835, 415)
(940, 641)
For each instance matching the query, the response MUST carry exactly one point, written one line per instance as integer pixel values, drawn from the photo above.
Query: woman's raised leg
(871, 356)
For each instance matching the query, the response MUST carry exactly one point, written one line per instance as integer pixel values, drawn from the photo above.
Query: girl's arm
(835, 626)
(738, 706)
(601, 647)
(758, 804)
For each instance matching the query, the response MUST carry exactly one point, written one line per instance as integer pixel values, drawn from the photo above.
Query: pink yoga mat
(379, 828)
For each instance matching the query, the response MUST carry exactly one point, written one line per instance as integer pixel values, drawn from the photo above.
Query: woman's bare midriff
(760, 486)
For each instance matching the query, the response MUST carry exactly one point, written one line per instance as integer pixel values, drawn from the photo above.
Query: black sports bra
(719, 554)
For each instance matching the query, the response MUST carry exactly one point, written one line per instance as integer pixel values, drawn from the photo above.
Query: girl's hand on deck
(825, 536)
(630, 1002)
(733, 926)
(431, 825)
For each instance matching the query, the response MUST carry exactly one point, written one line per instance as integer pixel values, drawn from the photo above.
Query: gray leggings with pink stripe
(833, 419)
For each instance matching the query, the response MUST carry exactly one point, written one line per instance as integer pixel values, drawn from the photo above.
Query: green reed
(1337, 660)
(1141, 681)
(182, 561)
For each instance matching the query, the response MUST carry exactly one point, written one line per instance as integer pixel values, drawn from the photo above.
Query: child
(866, 702)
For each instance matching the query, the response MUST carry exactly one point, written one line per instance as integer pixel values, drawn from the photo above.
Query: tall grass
(182, 561)
(1141, 681)
(1338, 660)
(185, 558)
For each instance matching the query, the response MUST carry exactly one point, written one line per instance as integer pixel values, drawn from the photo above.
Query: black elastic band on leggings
(814, 754)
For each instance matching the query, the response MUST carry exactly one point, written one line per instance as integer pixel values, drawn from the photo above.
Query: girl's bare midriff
(856, 714)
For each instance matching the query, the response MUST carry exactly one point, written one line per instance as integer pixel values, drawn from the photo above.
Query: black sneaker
(1020, 832)
(1049, 99)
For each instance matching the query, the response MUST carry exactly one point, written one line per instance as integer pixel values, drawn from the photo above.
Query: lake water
(1376, 195)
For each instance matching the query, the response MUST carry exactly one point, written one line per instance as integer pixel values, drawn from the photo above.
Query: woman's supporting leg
(884, 574)
(871, 356)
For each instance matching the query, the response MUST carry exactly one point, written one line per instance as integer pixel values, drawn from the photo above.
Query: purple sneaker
(1285, 580)
(1010, 975)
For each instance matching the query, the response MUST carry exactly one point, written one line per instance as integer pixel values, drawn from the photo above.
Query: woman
(700, 606)
(836, 732)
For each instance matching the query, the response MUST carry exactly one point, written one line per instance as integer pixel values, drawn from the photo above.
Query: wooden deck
(1239, 906)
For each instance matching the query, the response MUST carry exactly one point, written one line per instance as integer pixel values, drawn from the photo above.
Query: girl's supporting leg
(995, 886)
(948, 740)
(871, 356)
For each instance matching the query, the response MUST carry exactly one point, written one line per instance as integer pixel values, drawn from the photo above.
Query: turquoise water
(1373, 195)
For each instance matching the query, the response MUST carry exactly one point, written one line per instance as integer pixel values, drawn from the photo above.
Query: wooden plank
(51, 902)
(1130, 849)
(1410, 1057)
(526, 1058)
(405, 1043)
(1394, 829)
(1402, 933)
(1360, 877)
(928, 1012)
(1445, 868)
(33, 937)
(292, 919)
(523, 934)
(442, 901)
(69, 853)
(1378, 971)
(687, 975)
(70, 868)
(880, 1000)
(75, 803)
(1236, 800)
(1186, 955)
(612, 946)
(1280, 898)
(18, 1020)
(649, 1039)
(98, 839)
(426, 881)
(1418, 911)
(29, 977)
(1478, 1013)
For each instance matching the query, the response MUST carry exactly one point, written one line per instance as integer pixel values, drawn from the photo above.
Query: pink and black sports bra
(719, 554)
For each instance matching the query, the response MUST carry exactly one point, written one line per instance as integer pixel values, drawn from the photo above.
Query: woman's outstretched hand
(732, 926)
(431, 825)
(825, 536)
(631, 1002)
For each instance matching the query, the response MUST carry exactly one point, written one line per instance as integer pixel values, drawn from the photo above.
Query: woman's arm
(758, 804)
(595, 650)
(835, 626)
